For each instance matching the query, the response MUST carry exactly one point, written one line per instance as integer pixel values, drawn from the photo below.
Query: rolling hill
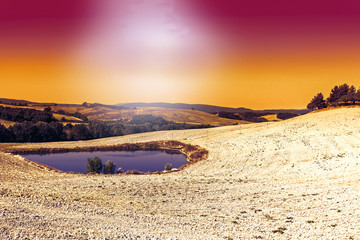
(294, 179)
(198, 107)
(177, 112)
(170, 114)
(109, 114)
(209, 108)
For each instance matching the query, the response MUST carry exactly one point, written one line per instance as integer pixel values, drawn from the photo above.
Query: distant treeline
(15, 103)
(286, 115)
(25, 114)
(246, 116)
(93, 105)
(55, 131)
(255, 116)
(342, 95)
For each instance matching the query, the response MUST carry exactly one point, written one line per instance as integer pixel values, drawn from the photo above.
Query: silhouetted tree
(5, 134)
(317, 102)
(349, 98)
(336, 93)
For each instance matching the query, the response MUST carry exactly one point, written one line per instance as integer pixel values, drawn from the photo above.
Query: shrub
(168, 167)
(109, 167)
(120, 170)
(190, 148)
(199, 155)
(134, 171)
(94, 165)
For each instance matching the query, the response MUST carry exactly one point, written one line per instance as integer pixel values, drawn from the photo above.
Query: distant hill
(276, 111)
(9, 101)
(24, 102)
(210, 108)
(199, 107)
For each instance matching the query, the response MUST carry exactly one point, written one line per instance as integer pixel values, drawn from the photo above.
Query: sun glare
(145, 43)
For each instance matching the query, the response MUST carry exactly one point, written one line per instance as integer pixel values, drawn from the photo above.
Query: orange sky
(177, 51)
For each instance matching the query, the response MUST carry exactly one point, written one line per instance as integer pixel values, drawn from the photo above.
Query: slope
(294, 179)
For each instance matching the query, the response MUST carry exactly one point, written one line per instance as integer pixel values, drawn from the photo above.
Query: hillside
(272, 118)
(105, 113)
(199, 107)
(180, 116)
(209, 108)
(177, 112)
(294, 179)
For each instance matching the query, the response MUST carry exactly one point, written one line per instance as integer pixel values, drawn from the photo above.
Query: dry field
(67, 118)
(170, 114)
(294, 179)
(271, 117)
(7, 123)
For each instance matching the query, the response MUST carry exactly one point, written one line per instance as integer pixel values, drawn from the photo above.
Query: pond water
(144, 161)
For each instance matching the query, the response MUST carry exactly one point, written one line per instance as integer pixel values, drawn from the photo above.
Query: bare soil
(294, 179)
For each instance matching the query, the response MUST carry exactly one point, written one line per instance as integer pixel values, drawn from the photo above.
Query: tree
(317, 102)
(5, 134)
(80, 132)
(336, 93)
(47, 109)
(109, 167)
(357, 97)
(94, 165)
(349, 97)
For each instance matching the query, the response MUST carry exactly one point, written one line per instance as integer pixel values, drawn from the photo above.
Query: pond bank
(194, 153)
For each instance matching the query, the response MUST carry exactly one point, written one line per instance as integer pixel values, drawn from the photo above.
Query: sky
(256, 54)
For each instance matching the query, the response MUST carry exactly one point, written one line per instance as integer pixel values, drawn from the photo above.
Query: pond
(144, 161)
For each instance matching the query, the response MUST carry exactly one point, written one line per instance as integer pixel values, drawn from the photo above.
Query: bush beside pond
(194, 153)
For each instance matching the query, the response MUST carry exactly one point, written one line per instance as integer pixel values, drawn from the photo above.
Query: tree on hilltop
(317, 102)
(337, 93)
(349, 98)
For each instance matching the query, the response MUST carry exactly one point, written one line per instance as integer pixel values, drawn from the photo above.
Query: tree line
(255, 116)
(245, 116)
(25, 114)
(342, 95)
(28, 131)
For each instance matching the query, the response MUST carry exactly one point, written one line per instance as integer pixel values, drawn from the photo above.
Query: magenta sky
(228, 52)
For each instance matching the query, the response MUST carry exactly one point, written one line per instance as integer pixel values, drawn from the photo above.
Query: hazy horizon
(258, 55)
(122, 103)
